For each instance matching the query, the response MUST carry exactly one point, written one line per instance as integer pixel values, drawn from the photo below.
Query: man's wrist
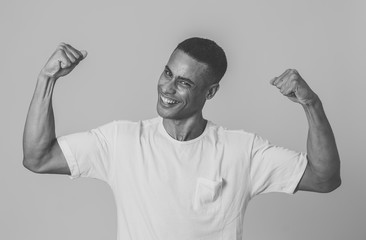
(315, 113)
(44, 86)
(313, 103)
(42, 76)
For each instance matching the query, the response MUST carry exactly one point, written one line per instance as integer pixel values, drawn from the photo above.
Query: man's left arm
(322, 173)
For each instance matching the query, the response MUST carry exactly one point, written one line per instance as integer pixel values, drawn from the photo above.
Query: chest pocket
(207, 198)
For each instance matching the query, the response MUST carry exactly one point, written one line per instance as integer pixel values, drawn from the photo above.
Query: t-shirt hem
(296, 179)
(70, 159)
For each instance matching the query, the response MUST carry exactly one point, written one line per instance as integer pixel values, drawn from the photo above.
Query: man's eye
(185, 83)
(168, 73)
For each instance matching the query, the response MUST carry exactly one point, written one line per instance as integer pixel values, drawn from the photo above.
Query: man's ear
(212, 90)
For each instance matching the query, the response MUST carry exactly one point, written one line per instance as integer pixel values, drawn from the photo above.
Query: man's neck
(185, 129)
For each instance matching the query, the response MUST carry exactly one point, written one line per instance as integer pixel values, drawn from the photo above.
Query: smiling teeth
(168, 101)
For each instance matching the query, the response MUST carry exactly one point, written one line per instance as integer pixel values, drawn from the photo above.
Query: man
(180, 176)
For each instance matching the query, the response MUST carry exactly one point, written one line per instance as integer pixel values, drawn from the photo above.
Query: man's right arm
(41, 151)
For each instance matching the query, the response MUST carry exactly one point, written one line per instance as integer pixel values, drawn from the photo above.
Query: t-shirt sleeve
(275, 169)
(90, 153)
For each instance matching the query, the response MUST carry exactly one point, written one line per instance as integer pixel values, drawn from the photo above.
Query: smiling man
(184, 87)
(180, 176)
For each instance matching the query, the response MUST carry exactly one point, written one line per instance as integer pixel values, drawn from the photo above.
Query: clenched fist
(62, 61)
(291, 85)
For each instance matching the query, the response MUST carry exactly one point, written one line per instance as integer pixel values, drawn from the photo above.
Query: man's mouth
(168, 101)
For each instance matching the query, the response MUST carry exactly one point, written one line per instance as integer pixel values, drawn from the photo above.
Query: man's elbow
(337, 183)
(331, 185)
(31, 164)
(328, 181)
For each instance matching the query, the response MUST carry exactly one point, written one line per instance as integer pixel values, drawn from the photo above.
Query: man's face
(182, 87)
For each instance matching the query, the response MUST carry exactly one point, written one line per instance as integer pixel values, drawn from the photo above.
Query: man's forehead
(181, 63)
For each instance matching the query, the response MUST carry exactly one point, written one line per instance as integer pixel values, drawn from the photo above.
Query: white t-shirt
(183, 190)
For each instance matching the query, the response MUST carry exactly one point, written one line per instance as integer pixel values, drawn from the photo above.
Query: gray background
(129, 43)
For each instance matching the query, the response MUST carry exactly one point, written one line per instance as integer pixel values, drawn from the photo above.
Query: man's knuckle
(62, 49)
(294, 77)
(77, 55)
(294, 82)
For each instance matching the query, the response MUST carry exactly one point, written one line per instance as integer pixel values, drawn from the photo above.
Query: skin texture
(188, 83)
(41, 152)
(322, 173)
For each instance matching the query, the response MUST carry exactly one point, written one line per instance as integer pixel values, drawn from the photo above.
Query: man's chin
(161, 112)
(166, 113)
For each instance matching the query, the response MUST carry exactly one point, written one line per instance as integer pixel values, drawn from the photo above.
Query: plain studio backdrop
(129, 42)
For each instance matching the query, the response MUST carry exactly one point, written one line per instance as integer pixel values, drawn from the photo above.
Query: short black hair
(208, 52)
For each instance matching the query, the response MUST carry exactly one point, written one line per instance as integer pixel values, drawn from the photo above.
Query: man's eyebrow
(180, 77)
(187, 80)
(167, 68)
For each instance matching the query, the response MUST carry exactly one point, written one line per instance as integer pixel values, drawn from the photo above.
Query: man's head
(190, 77)
(208, 52)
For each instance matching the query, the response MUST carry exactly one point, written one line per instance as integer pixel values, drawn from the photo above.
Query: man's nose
(169, 87)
